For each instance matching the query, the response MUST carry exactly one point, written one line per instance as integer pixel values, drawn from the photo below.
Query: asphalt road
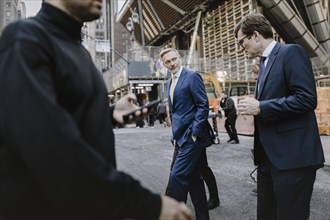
(146, 154)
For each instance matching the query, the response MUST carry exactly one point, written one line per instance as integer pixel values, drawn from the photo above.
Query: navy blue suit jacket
(287, 124)
(189, 109)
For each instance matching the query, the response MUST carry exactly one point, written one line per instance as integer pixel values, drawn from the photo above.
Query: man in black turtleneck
(57, 157)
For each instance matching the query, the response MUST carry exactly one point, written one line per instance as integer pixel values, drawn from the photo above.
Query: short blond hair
(165, 51)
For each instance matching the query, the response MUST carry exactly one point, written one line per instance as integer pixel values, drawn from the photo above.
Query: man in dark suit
(188, 106)
(228, 106)
(161, 113)
(287, 146)
(57, 147)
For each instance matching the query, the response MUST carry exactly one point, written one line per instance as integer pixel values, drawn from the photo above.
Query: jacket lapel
(169, 81)
(179, 84)
(271, 60)
(180, 80)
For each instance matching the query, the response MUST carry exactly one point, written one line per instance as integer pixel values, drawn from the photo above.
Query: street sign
(102, 46)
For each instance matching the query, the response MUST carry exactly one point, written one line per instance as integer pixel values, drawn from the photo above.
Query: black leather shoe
(230, 140)
(212, 204)
(234, 142)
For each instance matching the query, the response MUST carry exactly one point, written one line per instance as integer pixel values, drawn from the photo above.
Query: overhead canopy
(292, 27)
(161, 17)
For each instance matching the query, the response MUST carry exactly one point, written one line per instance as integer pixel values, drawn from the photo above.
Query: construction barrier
(244, 124)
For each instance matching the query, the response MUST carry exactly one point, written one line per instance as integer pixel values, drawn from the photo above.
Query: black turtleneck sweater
(57, 157)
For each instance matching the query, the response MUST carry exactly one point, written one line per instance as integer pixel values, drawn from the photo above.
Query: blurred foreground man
(287, 146)
(57, 157)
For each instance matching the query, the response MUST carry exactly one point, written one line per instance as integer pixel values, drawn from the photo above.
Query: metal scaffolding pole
(193, 42)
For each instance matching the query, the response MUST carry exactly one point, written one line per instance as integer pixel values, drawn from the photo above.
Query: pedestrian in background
(161, 113)
(287, 146)
(139, 123)
(56, 140)
(189, 109)
(228, 106)
(151, 119)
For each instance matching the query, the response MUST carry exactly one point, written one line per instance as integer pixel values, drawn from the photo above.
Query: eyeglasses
(241, 41)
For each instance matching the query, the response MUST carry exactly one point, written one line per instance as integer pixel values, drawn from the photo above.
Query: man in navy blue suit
(287, 146)
(189, 108)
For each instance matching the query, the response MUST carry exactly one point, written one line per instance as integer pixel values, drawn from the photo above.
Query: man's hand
(248, 106)
(171, 209)
(126, 105)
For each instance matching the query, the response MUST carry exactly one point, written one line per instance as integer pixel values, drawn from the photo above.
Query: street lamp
(130, 26)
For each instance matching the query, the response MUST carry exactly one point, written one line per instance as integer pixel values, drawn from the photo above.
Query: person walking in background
(139, 123)
(56, 139)
(287, 146)
(189, 109)
(228, 106)
(151, 119)
(161, 113)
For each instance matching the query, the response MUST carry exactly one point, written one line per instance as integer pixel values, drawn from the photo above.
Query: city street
(146, 154)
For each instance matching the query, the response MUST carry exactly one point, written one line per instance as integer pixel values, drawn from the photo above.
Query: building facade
(11, 10)
(204, 30)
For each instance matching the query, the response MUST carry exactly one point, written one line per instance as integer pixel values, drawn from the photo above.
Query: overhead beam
(124, 9)
(141, 23)
(176, 8)
(193, 42)
(156, 15)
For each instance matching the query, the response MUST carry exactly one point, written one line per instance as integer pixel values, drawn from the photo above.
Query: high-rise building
(98, 37)
(11, 10)
(21, 12)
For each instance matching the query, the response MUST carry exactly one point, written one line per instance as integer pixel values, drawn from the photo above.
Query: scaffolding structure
(220, 43)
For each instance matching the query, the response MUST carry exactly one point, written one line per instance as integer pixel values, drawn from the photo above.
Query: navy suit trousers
(186, 177)
(284, 194)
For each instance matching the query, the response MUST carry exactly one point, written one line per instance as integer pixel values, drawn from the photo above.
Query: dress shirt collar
(177, 74)
(268, 50)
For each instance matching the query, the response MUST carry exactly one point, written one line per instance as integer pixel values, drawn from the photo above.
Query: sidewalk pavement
(146, 154)
(325, 139)
(244, 126)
